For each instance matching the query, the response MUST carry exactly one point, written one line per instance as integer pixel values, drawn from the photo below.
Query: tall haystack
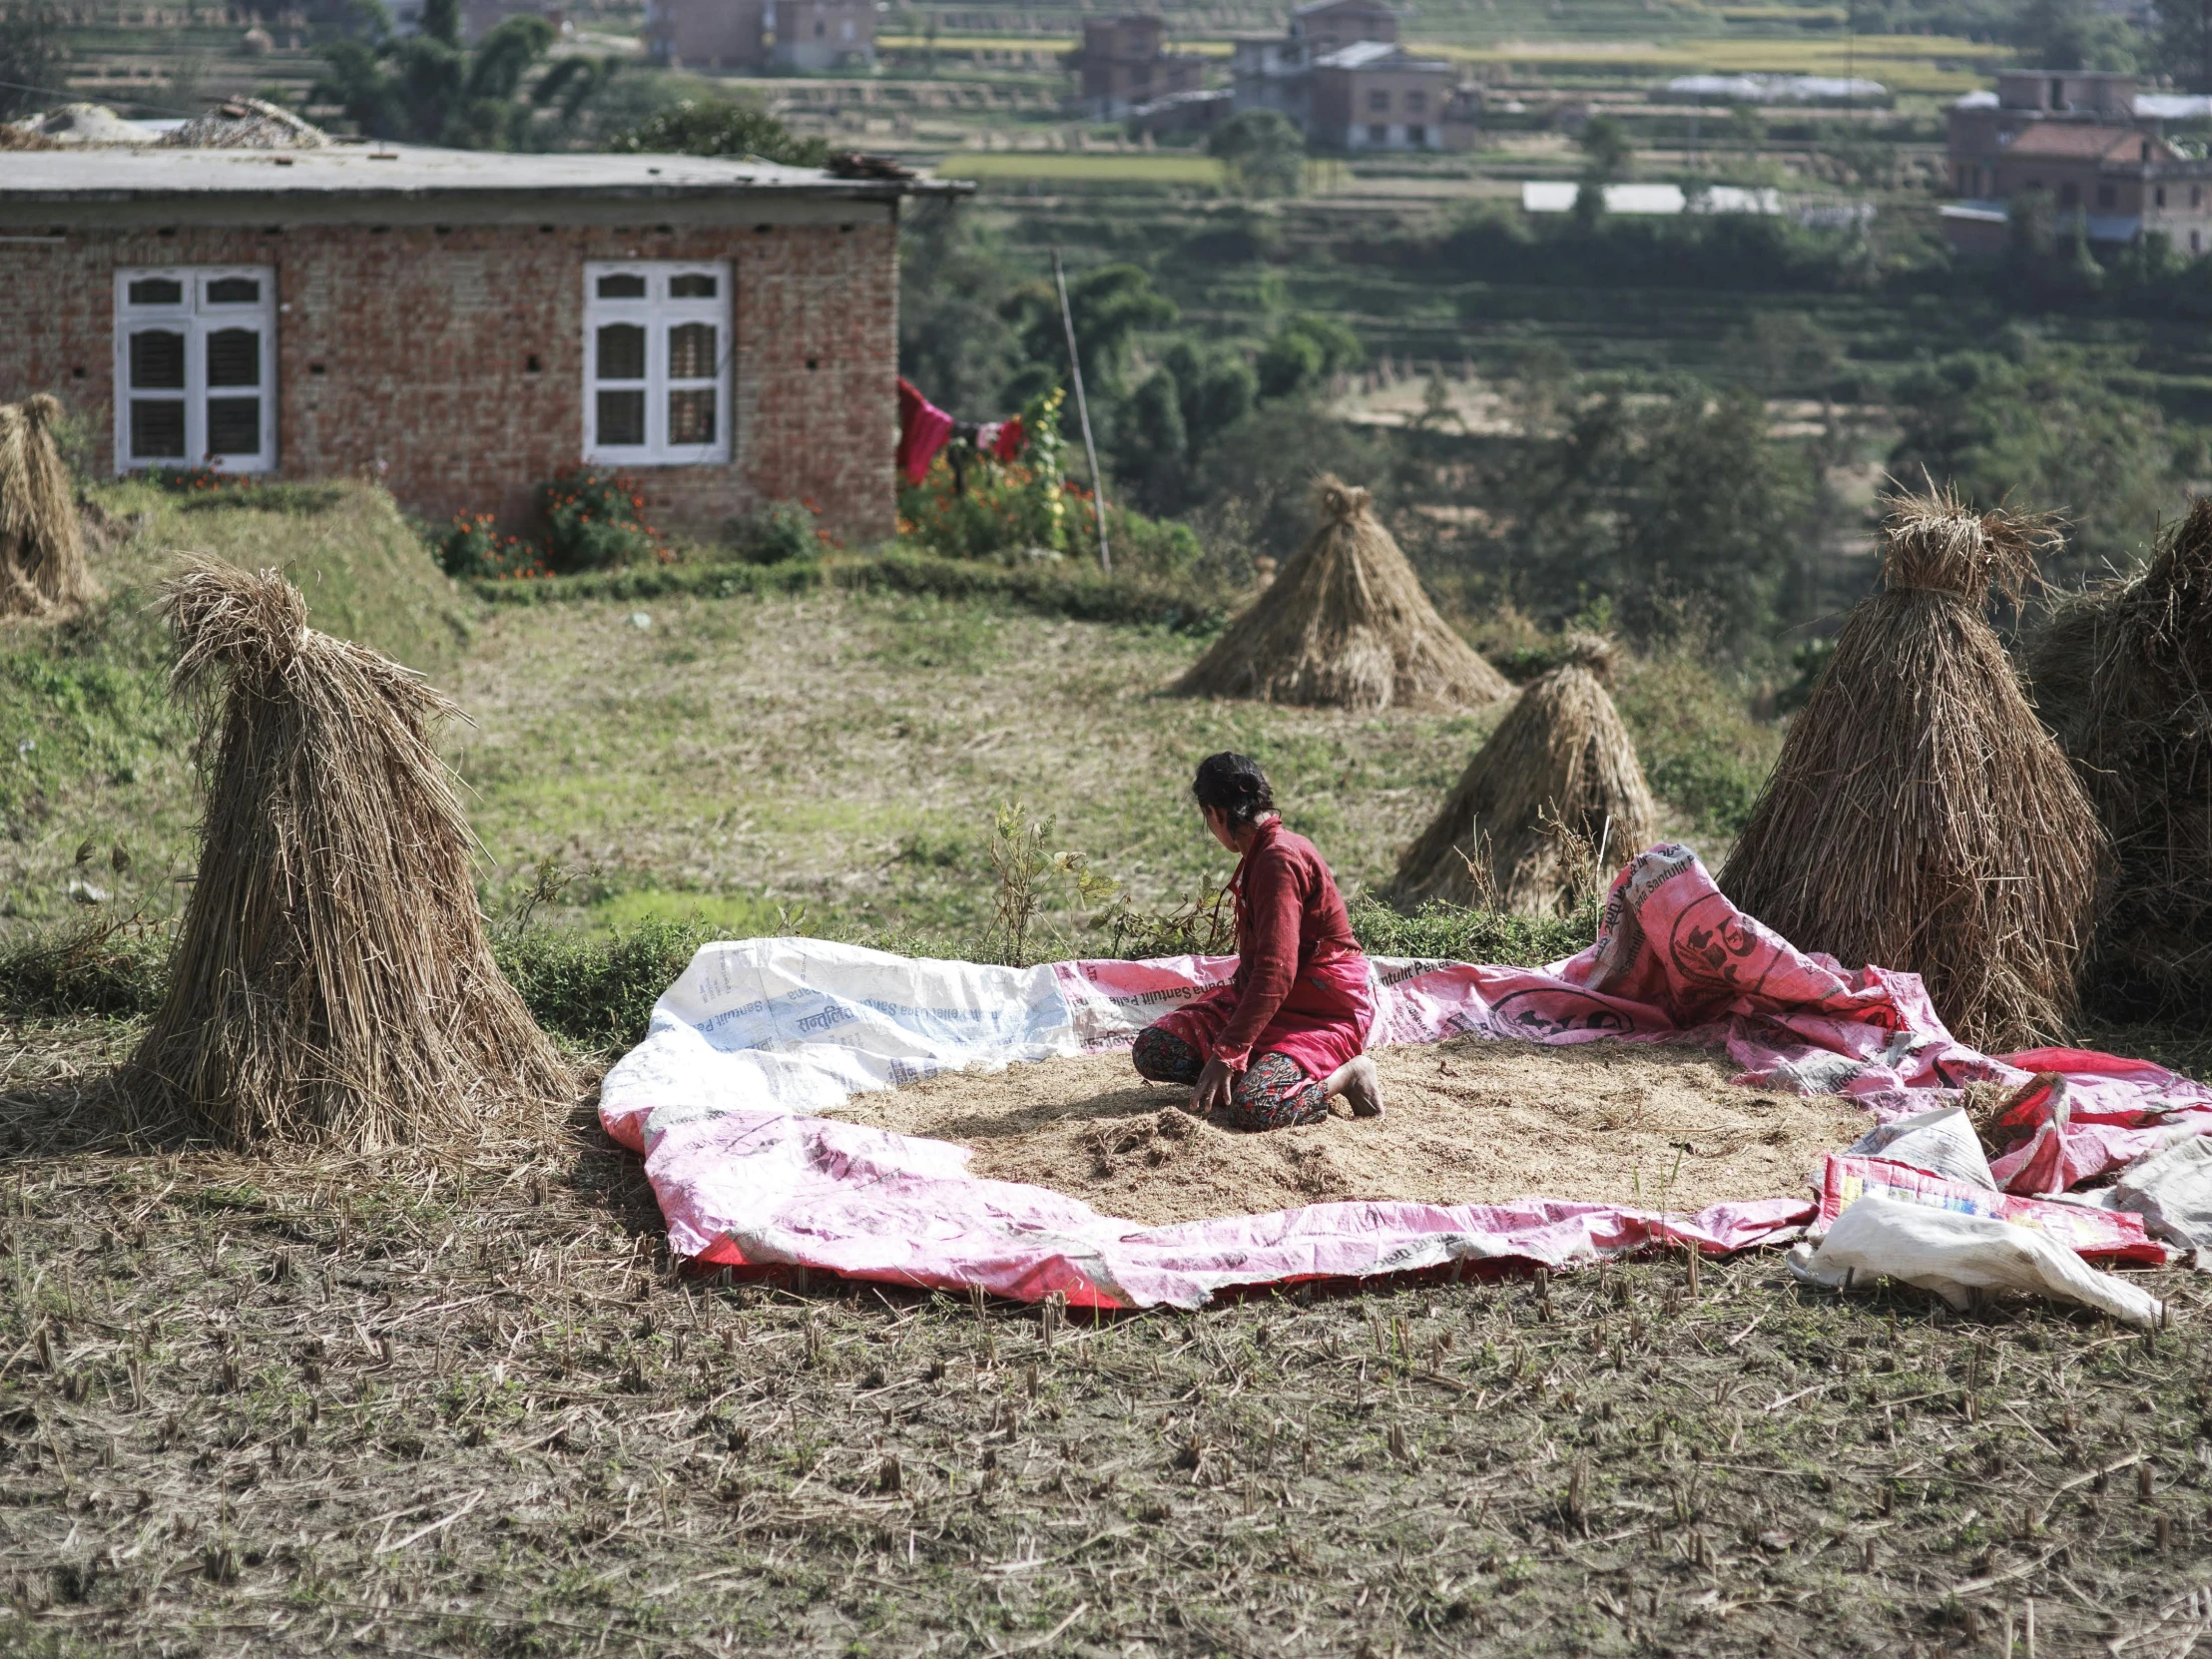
(1345, 626)
(1560, 763)
(42, 553)
(1919, 816)
(331, 982)
(2124, 673)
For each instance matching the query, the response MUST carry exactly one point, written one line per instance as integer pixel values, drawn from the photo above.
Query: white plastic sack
(1941, 1142)
(1954, 1255)
(2172, 1192)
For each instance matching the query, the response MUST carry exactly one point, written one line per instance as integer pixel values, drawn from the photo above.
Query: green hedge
(1048, 589)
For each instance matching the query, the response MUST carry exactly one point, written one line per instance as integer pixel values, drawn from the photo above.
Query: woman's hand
(1217, 1085)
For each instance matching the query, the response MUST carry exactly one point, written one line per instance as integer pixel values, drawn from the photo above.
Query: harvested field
(1469, 1121)
(293, 1405)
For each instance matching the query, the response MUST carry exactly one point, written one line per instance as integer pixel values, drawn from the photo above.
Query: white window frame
(196, 316)
(659, 314)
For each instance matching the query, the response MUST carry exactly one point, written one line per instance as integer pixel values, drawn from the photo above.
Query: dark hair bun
(1235, 785)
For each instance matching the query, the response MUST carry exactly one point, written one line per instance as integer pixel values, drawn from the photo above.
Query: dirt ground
(1469, 1121)
(280, 1405)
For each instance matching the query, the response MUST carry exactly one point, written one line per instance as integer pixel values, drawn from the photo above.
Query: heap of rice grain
(2123, 672)
(331, 982)
(1345, 626)
(42, 552)
(1560, 776)
(1919, 816)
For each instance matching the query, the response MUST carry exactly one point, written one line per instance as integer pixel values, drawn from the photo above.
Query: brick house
(463, 325)
(1341, 73)
(1124, 61)
(754, 35)
(1377, 96)
(2079, 138)
(707, 34)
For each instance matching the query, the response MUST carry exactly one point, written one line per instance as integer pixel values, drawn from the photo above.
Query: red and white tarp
(759, 1038)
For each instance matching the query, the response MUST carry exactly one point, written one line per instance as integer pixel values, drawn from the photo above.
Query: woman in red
(1269, 1048)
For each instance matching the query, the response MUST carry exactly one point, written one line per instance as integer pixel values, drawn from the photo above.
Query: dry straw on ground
(1919, 816)
(331, 982)
(1345, 626)
(2124, 673)
(1471, 1121)
(42, 553)
(1560, 768)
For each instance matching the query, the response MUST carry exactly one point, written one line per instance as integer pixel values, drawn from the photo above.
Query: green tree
(1111, 305)
(954, 340)
(431, 88)
(2039, 426)
(720, 129)
(1303, 353)
(1264, 152)
(33, 57)
(2074, 34)
(1606, 151)
(1174, 419)
(1676, 507)
(2184, 46)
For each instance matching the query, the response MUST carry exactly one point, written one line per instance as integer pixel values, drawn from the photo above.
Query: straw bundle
(1559, 764)
(42, 554)
(1920, 818)
(2124, 673)
(1345, 626)
(331, 982)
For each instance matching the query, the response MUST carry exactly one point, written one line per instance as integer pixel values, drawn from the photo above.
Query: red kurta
(1301, 986)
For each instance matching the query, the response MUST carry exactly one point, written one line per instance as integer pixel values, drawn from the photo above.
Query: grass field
(1075, 167)
(465, 1404)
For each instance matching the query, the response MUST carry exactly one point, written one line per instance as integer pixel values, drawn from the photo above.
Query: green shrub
(118, 972)
(598, 991)
(1446, 932)
(593, 521)
(781, 533)
(474, 548)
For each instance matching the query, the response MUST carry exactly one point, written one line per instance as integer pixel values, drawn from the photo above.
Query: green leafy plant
(779, 533)
(715, 128)
(595, 520)
(473, 547)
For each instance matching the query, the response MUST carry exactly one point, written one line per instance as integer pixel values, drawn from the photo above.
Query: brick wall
(423, 338)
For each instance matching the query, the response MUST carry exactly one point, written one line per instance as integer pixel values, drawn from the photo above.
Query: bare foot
(1361, 1085)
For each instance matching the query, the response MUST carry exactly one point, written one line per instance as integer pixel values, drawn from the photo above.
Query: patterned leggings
(1273, 1094)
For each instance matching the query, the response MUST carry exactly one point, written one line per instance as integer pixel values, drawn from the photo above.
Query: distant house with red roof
(2079, 139)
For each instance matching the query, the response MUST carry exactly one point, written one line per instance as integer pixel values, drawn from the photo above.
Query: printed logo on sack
(1715, 947)
(1543, 1016)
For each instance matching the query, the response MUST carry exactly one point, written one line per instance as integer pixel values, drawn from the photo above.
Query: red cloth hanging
(923, 429)
(1007, 446)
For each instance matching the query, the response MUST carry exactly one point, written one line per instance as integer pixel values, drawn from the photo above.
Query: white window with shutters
(657, 353)
(196, 367)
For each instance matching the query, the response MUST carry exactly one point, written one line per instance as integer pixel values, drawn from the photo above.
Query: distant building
(1341, 74)
(1124, 63)
(1376, 96)
(2081, 138)
(479, 17)
(707, 34)
(748, 36)
(822, 34)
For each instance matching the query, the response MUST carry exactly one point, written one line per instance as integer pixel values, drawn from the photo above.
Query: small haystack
(2124, 673)
(1560, 768)
(42, 552)
(1919, 816)
(331, 982)
(1345, 626)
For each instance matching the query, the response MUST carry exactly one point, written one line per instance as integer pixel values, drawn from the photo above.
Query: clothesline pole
(1083, 413)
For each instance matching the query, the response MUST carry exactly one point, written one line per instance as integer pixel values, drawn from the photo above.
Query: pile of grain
(1470, 1121)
